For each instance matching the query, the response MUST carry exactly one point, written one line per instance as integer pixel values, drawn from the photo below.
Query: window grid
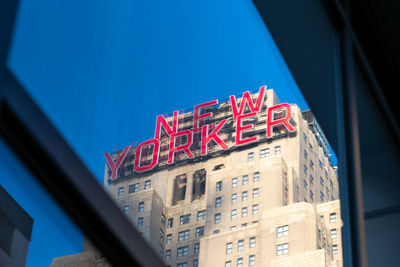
(282, 249)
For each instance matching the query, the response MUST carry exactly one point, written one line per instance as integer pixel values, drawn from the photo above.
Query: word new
(207, 135)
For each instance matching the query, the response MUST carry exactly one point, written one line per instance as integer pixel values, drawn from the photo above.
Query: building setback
(273, 202)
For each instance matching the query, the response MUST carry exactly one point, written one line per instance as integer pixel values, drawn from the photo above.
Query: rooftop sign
(192, 134)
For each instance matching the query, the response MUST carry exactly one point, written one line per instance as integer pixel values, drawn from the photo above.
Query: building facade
(273, 202)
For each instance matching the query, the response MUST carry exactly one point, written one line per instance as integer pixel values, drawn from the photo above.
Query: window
(218, 202)
(244, 212)
(321, 181)
(169, 238)
(282, 249)
(264, 153)
(245, 179)
(311, 148)
(239, 262)
(334, 249)
(162, 235)
(320, 163)
(311, 195)
(256, 177)
(182, 264)
(311, 180)
(244, 225)
(234, 198)
(277, 150)
(184, 219)
(136, 187)
(140, 221)
(305, 137)
(321, 196)
(250, 156)
(240, 245)
(255, 193)
(333, 233)
(228, 264)
(234, 182)
(233, 214)
(131, 188)
(229, 247)
(282, 231)
(120, 191)
(141, 207)
(183, 235)
(255, 222)
(162, 219)
(233, 227)
(216, 232)
(255, 209)
(183, 251)
(170, 222)
(201, 215)
(195, 263)
(312, 164)
(199, 231)
(252, 242)
(168, 254)
(126, 209)
(305, 169)
(219, 186)
(161, 251)
(244, 195)
(197, 247)
(332, 217)
(305, 154)
(252, 260)
(305, 184)
(217, 218)
(147, 184)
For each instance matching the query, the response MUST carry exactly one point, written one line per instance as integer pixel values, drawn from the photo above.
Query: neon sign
(192, 134)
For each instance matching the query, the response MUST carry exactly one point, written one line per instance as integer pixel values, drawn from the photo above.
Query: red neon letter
(212, 136)
(185, 147)
(240, 128)
(197, 115)
(161, 122)
(284, 121)
(138, 155)
(115, 166)
(247, 98)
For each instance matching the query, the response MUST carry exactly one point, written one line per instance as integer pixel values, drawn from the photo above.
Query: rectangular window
(305, 154)
(233, 227)
(130, 188)
(320, 163)
(169, 238)
(311, 148)
(219, 186)
(136, 187)
(282, 231)
(229, 247)
(312, 164)
(228, 264)
(183, 235)
(255, 209)
(216, 232)
(240, 245)
(140, 221)
(234, 182)
(182, 264)
(332, 217)
(162, 235)
(239, 262)
(233, 214)
(199, 231)
(321, 181)
(197, 247)
(201, 215)
(195, 263)
(321, 196)
(305, 184)
(252, 242)
(170, 222)
(311, 180)
(168, 254)
(264, 153)
(218, 202)
(184, 219)
(311, 195)
(217, 218)
(244, 225)
(277, 150)
(126, 209)
(252, 260)
(305, 169)
(250, 156)
(182, 251)
(245, 179)
(141, 207)
(234, 198)
(335, 249)
(244, 195)
(333, 233)
(147, 184)
(255, 193)
(256, 177)
(163, 219)
(244, 212)
(120, 191)
(282, 249)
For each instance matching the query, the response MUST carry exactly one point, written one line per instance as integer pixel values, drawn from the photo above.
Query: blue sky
(103, 70)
